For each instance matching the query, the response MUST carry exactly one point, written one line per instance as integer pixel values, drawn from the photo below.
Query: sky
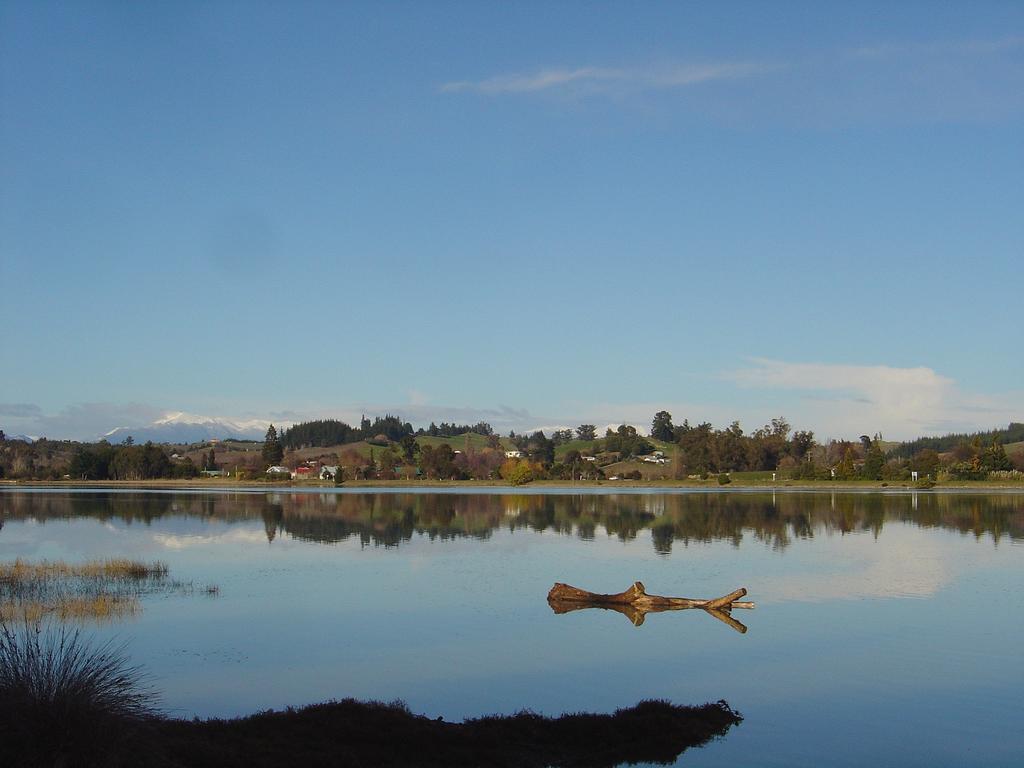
(536, 214)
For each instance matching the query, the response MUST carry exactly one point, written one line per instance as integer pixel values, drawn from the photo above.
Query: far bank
(217, 484)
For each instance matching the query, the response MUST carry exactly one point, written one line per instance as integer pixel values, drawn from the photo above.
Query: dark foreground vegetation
(65, 703)
(354, 733)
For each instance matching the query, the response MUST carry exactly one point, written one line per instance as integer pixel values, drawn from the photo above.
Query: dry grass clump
(66, 702)
(21, 571)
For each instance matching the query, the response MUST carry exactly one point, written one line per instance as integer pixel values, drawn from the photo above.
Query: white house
(278, 470)
(513, 454)
(655, 460)
(328, 473)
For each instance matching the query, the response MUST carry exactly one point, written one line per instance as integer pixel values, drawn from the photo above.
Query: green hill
(459, 443)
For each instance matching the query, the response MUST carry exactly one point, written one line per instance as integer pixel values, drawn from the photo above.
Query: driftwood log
(635, 603)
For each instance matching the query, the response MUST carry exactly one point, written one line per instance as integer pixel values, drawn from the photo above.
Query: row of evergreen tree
(325, 432)
(1014, 433)
(444, 429)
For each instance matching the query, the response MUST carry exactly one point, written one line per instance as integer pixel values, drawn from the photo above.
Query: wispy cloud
(940, 80)
(654, 77)
(605, 78)
(944, 47)
(20, 410)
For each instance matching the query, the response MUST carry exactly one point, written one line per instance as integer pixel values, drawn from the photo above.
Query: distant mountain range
(181, 427)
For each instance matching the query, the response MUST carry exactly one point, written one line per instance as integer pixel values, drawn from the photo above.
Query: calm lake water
(888, 626)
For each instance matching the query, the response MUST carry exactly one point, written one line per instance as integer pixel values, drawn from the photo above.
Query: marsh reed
(96, 590)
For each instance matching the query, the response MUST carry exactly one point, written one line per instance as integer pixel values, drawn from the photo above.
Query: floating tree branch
(635, 603)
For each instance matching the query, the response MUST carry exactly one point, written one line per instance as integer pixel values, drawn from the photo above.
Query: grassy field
(475, 442)
(585, 447)
(591, 447)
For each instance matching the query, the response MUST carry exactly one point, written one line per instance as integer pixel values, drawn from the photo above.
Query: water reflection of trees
(390, 519)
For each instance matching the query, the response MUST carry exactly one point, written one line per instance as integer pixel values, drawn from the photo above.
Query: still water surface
(887, 630)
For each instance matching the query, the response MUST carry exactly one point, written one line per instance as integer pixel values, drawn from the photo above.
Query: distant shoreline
(217, 484)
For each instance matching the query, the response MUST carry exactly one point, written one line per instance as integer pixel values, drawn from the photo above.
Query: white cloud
(20, 410)
(605, 78)
(900, 402)
(894, 388)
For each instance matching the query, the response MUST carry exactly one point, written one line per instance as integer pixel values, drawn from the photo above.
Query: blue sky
(537, 214)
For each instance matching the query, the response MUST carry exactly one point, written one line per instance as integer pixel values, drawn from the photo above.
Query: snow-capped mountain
(181, 427)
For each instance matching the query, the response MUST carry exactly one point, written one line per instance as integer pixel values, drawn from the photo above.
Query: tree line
(702, 449)
(1014, 433)
(445, 429)
(691, 450)
(325, 432)
(103, 461)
